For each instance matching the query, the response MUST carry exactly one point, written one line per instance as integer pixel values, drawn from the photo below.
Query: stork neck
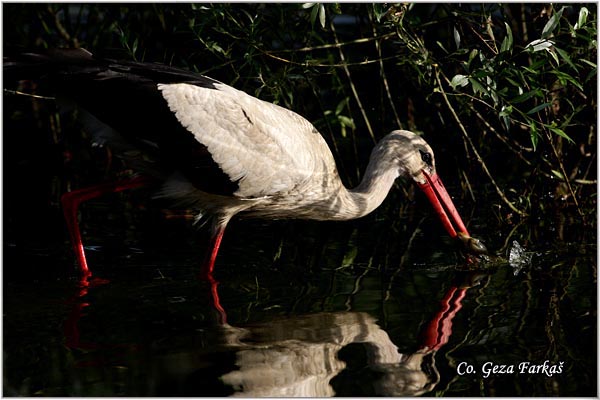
(373, 189)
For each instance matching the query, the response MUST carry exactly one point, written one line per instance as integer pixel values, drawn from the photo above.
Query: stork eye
(426, 157)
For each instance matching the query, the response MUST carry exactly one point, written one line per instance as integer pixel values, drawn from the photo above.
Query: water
(378, 306)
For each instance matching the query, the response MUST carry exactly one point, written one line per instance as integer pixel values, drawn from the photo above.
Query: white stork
(221, 151)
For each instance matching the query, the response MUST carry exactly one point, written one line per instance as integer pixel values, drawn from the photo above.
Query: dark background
(515, 144)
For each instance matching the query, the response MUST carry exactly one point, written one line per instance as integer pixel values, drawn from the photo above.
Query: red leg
(208, 266)
(439, 329)
(71, 325)
(216, 302)
(217, 231)
(71, 201)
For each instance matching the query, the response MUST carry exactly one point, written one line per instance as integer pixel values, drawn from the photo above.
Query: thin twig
(466, 178)
(383, 75)
(586, 181)
(36, 96)
(61, 29)
(310, 63)
(403, 259)
(564, 173)
(502, 138)
(495, 51)
(469, 96)
(334, 45)
(354, 91)
(339, 159)
(473, 148)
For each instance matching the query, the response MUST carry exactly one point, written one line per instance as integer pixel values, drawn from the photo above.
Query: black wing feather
(124, 96)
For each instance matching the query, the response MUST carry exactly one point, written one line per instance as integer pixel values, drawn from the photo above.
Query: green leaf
(506, 111)
(456, 37)
(563, 54)
(314, 13)
(552, 23)
(527, 96)
(480, 74)
(558, 174)
(590, 75)
(322, 15)
(539, 45)
(563, 78)
(560, 132)
(582, 19)
(346, 121)
(341, 105)
(533, 134)
(459, 81)
(478, 87)
(515, 84)
(472, 56)
(588, 62)
(442, 46)
(538, 108)
(505, 116)
(134, 46)
(507, 43)
(554, 56)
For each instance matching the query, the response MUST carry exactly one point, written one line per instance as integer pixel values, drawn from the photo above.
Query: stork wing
(268, 150)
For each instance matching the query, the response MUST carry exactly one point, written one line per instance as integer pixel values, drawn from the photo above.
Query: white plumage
(284, 168)
(249, 138)
(225, 151)
(282, 165)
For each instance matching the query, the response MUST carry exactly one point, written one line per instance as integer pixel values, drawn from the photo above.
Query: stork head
(416, 160)
(412, 154)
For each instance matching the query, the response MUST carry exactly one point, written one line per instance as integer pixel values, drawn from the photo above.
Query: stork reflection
(317, 355)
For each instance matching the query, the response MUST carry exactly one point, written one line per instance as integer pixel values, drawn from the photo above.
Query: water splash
(518, 258)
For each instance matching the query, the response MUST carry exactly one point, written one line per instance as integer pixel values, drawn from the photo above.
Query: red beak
(442, 203)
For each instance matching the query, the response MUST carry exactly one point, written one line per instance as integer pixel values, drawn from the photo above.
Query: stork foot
(95, 281)
(71, 201)
(215, 302)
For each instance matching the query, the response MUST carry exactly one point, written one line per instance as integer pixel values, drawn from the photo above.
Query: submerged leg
(71, 201)
(216, 236)
(208, 266)
(439, 329)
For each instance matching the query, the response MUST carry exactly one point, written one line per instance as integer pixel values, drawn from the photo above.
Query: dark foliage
(506, 94)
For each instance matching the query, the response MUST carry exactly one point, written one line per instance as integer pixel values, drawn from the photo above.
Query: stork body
(222, 152)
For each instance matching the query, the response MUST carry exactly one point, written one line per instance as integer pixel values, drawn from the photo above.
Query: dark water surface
(370, 307)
